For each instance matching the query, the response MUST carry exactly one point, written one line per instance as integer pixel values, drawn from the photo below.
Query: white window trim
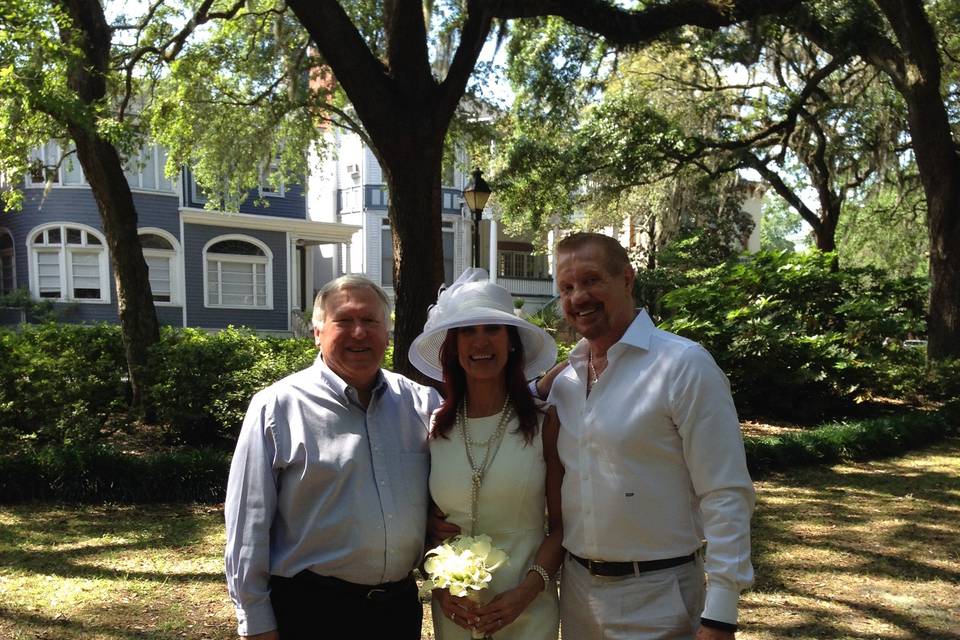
(158, 175)
(66, 283)
(135, 186)
(268, 269)
(31, 183)
(279, 192)
(13, 257)
(176, 275)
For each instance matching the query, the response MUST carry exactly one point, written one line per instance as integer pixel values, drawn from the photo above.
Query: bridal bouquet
(464, 565)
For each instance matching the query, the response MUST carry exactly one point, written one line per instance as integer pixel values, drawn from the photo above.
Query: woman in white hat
(494, 462)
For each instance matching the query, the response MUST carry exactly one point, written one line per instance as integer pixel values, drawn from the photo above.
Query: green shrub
(201, 383)
(798, 339)
(855, 440)
(100, 474)
(60, 383)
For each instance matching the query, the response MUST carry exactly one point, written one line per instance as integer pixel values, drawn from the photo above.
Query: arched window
(238, 273)
(69, 262)
(8, 280)
(160, 251)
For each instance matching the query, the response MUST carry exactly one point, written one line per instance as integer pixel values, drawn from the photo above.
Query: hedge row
(101, 474)
(854, 440)
(63, 384)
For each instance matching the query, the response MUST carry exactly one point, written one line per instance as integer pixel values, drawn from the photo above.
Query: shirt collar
(638, 335)
(339, 386)
(640, 331)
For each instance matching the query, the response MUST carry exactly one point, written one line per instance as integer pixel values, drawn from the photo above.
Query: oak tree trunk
(88, 31)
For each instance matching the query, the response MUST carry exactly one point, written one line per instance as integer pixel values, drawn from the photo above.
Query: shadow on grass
(883, 527)
(43, 627)
(61, 541)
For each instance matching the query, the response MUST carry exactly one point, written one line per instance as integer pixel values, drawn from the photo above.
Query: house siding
(292, 204)
(198, 315)
(77, 205)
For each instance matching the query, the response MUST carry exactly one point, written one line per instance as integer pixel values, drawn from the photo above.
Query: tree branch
(624, 28)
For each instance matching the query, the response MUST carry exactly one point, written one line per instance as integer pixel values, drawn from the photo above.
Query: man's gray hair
(349, 281)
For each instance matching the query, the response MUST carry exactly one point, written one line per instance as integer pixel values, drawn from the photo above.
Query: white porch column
(494, 230)
(553, 237)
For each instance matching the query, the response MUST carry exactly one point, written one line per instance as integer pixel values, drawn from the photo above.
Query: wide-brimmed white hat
(474, 300)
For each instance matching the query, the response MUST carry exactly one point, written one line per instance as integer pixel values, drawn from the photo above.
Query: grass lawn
(853, 551)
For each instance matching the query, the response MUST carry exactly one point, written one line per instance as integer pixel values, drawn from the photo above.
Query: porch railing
(541, 287)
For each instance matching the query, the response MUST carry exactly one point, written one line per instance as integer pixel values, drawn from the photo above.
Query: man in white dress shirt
(654, 465)
(327, 498)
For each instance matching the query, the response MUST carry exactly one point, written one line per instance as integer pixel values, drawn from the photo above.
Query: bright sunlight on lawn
(853, 551)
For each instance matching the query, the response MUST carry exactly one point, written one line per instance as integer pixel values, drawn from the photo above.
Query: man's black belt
(613, 569)
(379, 592)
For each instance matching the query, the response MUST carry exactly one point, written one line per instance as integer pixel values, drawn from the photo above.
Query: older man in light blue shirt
(327, 498)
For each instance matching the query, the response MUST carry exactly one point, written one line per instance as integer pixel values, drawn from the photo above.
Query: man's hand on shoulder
(709, 633)
(438, 529)
(267, 635)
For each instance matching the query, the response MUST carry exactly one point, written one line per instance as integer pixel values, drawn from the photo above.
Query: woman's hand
(461, 610)
(507, 606)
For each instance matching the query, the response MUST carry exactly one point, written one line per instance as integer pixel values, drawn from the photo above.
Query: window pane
(51, 158)
(159, 275)
(86, 275)
(237, 283)
(260, 284)
(48, 274)
(73, 236)
(6, 242)
(148, 179)
(213, 282)
(71, 170)
(447, 257)
(53, 235)
(6, 273)
(132, 171)
(154, 241)
(386, 257)
(236, 247)
(165, 183)
(92, 239)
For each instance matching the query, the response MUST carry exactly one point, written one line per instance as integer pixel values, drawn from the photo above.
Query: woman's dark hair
(455, 387)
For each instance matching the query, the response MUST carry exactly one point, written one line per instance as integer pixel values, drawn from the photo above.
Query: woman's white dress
(511, 510)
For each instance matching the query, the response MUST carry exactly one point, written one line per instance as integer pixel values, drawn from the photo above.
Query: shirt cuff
(256, 619)
(532, 386)
(721, 605)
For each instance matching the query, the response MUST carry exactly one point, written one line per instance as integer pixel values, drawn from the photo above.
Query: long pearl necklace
(492, 445)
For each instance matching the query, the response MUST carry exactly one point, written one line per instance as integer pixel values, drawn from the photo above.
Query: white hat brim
(539, 348)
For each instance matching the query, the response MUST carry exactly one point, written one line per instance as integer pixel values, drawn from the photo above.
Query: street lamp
(475, 194)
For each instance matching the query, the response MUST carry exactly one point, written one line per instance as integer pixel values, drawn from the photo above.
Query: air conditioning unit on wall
(353, 170)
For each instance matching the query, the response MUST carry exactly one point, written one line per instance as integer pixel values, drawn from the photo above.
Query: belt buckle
(592, 564)
(376, 594)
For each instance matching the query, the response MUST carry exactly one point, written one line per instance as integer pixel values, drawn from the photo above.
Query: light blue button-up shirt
(318, 482)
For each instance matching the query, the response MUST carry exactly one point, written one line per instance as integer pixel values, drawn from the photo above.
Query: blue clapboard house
(207, 269)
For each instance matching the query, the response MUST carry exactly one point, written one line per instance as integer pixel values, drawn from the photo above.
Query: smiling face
(596, 302)
(482, 351)
(353, 336)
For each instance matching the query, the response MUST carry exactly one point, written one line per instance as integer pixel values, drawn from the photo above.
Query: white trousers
(655, 605)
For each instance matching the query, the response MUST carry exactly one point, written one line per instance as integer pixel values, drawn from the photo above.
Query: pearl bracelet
(536, 568)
